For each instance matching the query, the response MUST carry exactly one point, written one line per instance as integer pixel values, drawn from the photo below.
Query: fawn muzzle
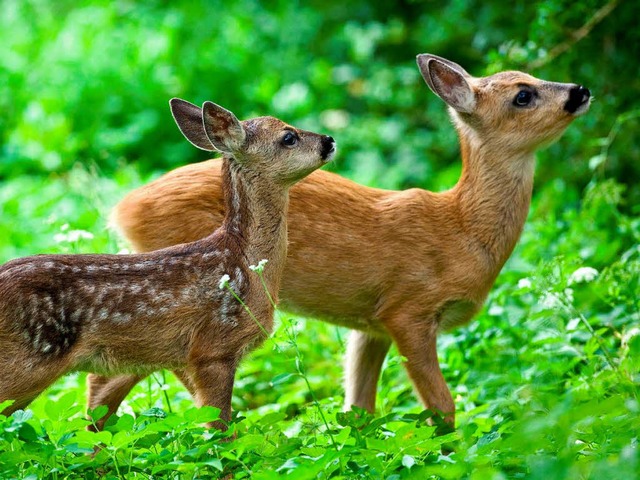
(578, 97)
(328, 147)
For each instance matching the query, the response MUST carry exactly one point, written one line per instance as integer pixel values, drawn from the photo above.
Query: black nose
(578, 96)
(328, 146)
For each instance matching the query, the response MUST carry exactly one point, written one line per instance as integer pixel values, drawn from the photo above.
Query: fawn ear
(222, 127)
(189, 119)
(448, 80)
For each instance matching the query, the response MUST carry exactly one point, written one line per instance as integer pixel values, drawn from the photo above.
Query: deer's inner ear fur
(188, 117)
(223, 129)
(450, 85)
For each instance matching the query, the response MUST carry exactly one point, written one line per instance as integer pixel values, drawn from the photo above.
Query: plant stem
(248, 310)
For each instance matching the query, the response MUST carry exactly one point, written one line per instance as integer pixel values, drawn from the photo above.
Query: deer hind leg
(365, 354)
(109, 391)
(186, 380)
(212, 382)
(416, 341)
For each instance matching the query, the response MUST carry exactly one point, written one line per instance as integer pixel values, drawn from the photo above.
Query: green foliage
(545, 378)
(90, 82)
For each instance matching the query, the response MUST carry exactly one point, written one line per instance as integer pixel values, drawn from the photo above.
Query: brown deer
(393, 266)
(116, 314)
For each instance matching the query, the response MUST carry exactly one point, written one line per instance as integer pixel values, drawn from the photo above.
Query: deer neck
(493, 195)
(256, 219)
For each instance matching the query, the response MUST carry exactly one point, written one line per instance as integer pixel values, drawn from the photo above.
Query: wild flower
(550, 300)
(583, 275)
(259, 268)
(72, 236)
(224, 281)
(524, 283)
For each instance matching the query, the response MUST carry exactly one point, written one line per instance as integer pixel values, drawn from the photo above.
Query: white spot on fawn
(228, 309)
(120, 317)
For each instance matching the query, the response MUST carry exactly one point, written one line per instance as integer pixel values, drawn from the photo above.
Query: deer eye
(523, 98)
(289, 139)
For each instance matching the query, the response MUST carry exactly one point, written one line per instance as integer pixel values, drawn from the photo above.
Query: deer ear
(189, 119)
(222, 127)
(448, 80)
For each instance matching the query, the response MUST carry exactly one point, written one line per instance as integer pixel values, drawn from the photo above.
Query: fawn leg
(212, 381)
(186, 380)
(418, 344)
(365, 354)
(109, 391)
(25, 381)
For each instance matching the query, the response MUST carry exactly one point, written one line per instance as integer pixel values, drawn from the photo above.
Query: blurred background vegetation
(88, 82)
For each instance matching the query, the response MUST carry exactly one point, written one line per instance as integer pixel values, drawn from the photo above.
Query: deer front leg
(416, 341)
(23, 378)
(109, 391)
(365, 354)
(212, 381)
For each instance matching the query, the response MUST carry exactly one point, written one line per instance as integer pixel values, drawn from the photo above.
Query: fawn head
(267, 145)
(509, 110)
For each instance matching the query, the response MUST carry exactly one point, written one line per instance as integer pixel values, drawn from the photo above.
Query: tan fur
(115, 314)
(394, 266)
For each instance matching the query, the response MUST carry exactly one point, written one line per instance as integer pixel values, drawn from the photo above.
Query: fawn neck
(256, 216)
(493, 195)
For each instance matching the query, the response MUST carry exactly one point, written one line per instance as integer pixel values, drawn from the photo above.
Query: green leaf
(99, 412)
(202, 415)
(125, 422)
(282, 378)
(214, 462)
(27, 433)
(5, 404)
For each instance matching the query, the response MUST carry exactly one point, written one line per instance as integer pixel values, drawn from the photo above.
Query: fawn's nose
(578, 96)
(328, 147)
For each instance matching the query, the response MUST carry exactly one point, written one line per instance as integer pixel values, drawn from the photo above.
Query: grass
(545, 378)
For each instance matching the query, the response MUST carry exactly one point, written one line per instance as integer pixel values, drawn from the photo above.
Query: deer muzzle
(578, 102)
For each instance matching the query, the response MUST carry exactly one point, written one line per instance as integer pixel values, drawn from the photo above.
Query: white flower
(260, 267)
(224, 281)
(550, 301)
(73, 236)
(524, 283)
(568, 293)
(583, 275)
(627, 337)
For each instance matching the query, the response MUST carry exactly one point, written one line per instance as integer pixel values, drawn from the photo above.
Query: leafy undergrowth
(545, 378)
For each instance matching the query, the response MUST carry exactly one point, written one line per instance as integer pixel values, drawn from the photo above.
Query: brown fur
(133, 314)
(394, 266)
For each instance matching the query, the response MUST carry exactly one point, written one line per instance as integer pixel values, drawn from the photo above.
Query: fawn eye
(523, 98)
(289, 139)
